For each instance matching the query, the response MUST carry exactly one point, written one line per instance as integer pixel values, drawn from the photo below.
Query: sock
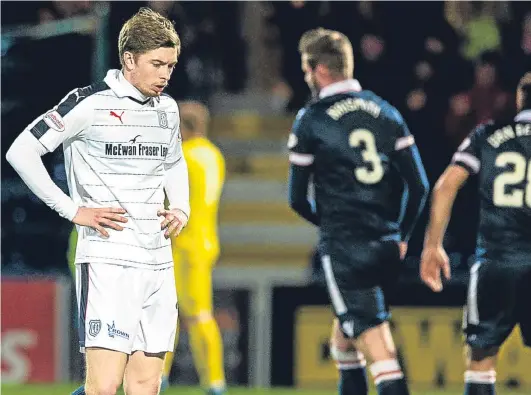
(79, 391)
(352, 375)
(207, 351)
(388, 378)
(480, 383)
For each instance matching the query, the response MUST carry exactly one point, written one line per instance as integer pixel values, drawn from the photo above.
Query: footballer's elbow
(11, 157)
(445, 189)
(451, 181)
(298, 203)
(294, 203)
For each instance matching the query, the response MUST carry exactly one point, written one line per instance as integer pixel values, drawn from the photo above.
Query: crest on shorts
(163, 119)
(94, 327)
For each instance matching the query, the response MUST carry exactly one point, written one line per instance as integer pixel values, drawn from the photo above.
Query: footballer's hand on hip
(434, 261)
(174, 221)
(100, 218)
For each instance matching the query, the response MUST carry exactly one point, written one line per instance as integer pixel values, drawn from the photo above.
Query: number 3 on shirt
(367, 174)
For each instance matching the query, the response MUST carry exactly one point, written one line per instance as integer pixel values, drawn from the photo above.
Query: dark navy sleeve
(301, 157)
(408, 162)
(468, 154)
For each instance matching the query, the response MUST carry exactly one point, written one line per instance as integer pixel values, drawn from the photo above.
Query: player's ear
(322, 71)
(129, 60)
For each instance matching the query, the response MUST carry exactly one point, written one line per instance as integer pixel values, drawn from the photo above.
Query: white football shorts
(126, 308)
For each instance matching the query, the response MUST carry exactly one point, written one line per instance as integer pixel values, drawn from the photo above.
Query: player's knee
(380, 352)
(103, 387)
(377, 343)
(143, 386)
(348, 358)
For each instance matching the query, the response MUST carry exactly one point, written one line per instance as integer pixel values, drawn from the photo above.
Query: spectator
(487, 98)
(459, 120)
(56, 10)
(477, 23)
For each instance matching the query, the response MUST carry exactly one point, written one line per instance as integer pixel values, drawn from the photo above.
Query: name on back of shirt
(345, 106)
(507, 133)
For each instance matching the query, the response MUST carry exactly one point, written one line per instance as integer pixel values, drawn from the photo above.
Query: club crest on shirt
(163, 119)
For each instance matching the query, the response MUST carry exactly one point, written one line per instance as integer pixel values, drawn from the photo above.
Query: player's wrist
(181, 213)
(67, 209)
(432, 244)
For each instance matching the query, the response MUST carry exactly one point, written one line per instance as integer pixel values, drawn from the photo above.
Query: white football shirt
(117, 145)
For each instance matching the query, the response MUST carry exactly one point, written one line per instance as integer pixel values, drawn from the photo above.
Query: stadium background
(446, 65)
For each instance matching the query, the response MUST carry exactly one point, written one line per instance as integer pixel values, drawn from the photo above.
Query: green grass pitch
(66, 389)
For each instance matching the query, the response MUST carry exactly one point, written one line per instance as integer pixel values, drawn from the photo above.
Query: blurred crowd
(447, 66)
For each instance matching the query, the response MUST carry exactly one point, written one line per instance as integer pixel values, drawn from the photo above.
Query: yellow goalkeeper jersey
(206, 174)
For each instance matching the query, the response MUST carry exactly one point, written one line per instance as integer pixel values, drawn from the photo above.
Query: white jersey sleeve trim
(404, 142)
(469, 160)
(301, 159)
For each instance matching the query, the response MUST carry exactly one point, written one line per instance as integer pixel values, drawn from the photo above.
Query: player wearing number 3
(500, 281)
(361, 157)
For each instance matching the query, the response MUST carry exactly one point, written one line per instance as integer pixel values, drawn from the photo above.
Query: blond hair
(329, 48)
(145, 31)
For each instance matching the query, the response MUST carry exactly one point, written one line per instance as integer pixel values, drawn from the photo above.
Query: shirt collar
(116, 80)
(523, 116)
(350, 85)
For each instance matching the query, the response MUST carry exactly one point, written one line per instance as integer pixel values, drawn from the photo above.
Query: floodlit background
(447, 66)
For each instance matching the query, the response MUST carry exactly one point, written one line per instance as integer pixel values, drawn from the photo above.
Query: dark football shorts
(499, 298)
(355, 274)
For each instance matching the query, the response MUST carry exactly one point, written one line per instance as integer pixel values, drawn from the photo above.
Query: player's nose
(165, 74)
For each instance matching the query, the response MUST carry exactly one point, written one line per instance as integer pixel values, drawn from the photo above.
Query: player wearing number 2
(500, 281)
(361, 157)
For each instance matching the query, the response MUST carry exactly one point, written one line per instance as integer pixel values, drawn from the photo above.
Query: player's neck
(331, 80)
(339, 85)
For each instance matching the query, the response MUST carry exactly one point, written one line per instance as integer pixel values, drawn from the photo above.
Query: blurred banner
(35, 330)
(429, 342)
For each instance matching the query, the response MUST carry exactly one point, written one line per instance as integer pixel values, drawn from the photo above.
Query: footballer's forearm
(299, 178)
(177, 187)
(441, 209)
(442, 203)
(412, 170)
(25, 157)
